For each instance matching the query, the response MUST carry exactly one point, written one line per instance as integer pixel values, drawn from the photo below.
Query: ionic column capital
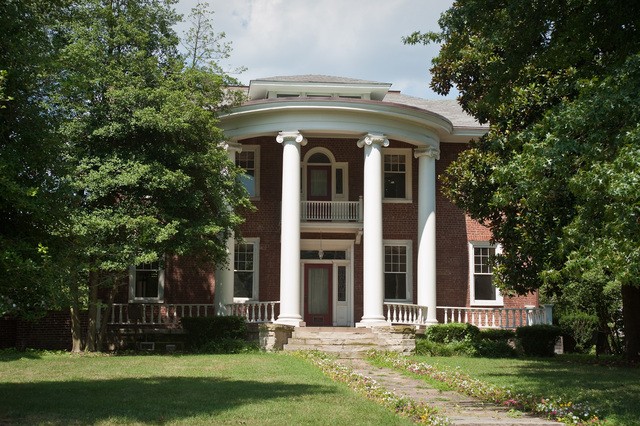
(294, 136)
(230, 147)
(373, 139)
(429, 151)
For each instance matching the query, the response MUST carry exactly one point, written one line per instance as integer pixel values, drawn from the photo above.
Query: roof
(318, 78)
(322, 103)
(448, 108)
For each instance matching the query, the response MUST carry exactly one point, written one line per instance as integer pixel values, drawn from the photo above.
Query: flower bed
(556, 409)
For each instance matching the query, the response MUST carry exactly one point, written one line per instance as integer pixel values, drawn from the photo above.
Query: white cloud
(347, 38)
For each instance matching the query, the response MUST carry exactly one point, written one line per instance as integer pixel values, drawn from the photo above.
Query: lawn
(182, 389)
(613, 391)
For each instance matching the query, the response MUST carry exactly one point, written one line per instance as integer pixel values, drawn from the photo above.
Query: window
(245, 271)
(146, 283)
(483, 292)
(397, 174)
(249, 160)
(342, 283)
(397, 271)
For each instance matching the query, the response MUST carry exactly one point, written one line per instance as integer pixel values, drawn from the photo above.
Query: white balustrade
(157, 313)
(338, 211)
(254, 312)
(405, 313)
(496, 317)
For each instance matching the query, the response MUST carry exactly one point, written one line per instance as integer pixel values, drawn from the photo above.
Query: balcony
(331, 211)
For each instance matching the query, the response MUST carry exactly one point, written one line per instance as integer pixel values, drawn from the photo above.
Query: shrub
(495, 343)
(582, 328)
(453, 332)
(538, 340)
(201, 331)
(496, 334)
(228, 346)
(427, 347)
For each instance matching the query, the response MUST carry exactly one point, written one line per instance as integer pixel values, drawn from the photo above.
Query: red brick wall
(51, 332)
(186, 280)
(8, 332)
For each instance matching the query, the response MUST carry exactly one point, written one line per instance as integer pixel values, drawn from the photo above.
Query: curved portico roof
(335, 106)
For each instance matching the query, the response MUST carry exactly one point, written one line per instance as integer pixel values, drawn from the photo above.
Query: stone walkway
(460, 409)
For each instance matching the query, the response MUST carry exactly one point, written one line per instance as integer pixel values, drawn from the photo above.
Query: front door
(317, 294)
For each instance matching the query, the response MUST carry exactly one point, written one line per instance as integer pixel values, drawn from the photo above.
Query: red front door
(317, 295)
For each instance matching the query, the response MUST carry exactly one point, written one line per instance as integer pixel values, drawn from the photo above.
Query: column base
(293, 321)
(372, 322)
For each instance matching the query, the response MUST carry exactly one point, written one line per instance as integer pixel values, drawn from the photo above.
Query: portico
(353, 167)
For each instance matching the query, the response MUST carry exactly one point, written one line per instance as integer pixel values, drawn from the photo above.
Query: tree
(555, 177)
(29, 160)
(147, 174)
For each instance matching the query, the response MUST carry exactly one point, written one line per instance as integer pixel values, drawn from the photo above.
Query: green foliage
(495, 343)
(228, 346)
(426, 347)
(496, 334)
(452, 332)
(582, 328)
(209, 334)
(556, 178)
(465, 340)
(538, 340)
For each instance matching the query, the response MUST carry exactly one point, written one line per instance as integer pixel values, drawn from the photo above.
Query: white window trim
(344, 166)
(472, 290)
(408, 178)
(256, 271)
(256, 160)
(409, 245)
(132, 288)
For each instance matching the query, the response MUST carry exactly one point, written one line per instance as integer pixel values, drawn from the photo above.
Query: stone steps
(351, 342)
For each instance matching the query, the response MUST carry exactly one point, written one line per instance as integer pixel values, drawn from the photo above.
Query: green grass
(613, 391)
(189, 389)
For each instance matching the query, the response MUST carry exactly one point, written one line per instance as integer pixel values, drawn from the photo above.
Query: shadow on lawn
(613, 391)
(155, 400)
(14, 354)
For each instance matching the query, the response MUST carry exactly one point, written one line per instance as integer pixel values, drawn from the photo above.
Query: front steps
(346, 342)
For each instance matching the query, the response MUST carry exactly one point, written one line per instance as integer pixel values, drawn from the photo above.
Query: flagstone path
(460, 409)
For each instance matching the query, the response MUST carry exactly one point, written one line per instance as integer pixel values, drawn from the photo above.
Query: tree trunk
(631, 320)
(76, 325)
(104, 321)
(92, 332)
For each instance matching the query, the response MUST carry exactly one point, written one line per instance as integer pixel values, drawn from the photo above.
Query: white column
(290, 229)
(373, 262)
(224, 274)
(427, 229)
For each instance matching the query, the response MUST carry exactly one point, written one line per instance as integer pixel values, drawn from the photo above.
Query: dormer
(316, 86)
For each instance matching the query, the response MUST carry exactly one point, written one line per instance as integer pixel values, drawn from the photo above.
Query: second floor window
(249, 160)
(397, 174)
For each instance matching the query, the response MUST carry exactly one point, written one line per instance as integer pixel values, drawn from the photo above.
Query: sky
(346, 38)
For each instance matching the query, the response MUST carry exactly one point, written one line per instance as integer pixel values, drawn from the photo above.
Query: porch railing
(332, 211)
(157, 313)
(255, 311)
(405, 313)
(497, 317)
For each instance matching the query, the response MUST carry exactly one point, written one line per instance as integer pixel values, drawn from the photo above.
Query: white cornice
(339, 117)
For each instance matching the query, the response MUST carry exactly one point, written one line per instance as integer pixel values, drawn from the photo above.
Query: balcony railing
(498, 317)
(332, 211)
